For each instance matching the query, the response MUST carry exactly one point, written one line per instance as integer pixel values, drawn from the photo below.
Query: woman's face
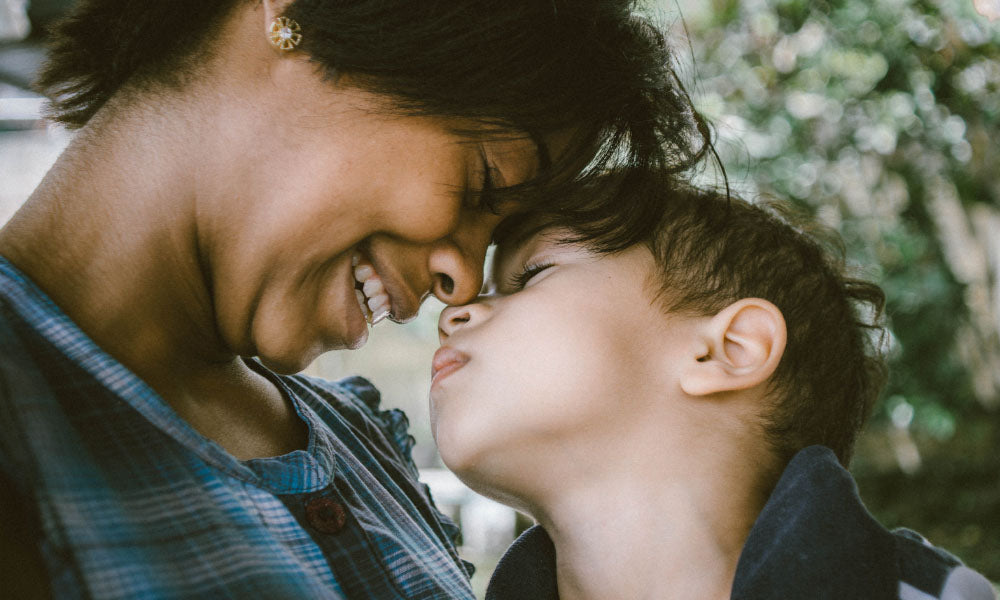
(318, 185)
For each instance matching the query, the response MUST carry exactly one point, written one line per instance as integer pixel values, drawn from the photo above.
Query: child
(676, 409)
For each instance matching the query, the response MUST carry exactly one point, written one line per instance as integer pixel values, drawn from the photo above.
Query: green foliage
(880, 116)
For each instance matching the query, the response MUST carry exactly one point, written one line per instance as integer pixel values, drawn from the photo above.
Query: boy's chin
(497, 491)
(492, 477)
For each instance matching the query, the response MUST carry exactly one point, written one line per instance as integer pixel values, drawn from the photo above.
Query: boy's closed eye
(516, 281)
(519, 265)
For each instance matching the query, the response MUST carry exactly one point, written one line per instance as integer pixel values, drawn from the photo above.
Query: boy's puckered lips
(447, 360)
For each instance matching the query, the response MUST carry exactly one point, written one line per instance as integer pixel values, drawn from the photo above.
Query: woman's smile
(373, 300)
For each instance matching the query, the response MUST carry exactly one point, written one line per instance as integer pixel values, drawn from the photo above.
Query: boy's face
(556, 362)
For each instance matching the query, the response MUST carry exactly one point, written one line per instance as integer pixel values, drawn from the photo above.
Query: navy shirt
(814, 540)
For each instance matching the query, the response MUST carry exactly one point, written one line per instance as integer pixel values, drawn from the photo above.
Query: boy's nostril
(447, 284)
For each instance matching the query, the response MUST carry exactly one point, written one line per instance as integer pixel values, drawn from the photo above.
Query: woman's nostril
(447, 284)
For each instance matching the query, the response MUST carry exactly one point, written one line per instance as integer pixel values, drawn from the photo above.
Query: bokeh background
(882, 118)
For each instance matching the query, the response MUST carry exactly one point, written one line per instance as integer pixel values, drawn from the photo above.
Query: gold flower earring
(284, 34)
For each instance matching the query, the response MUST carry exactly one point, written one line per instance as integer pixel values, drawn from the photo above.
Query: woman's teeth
(372, 298)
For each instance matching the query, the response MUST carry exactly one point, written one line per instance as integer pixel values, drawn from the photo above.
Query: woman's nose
(456, 263)
(457, 285)
(458, 275)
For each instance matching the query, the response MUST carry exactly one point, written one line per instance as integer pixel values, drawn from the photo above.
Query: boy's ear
(736, 349)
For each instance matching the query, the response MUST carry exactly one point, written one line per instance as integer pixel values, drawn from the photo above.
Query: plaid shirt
(131, 502)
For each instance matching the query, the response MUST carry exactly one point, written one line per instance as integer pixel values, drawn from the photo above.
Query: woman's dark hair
(530, 66)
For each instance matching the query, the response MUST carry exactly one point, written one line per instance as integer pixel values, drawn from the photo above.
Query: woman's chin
(290, 356)
(282, 367)
(288, 362)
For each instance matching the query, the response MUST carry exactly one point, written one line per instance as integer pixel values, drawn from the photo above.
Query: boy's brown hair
(713, 249)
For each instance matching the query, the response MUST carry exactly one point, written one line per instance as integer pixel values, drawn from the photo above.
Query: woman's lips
(400, 303)
(446, 361)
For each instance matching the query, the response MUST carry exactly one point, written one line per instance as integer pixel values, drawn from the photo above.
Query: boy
(675, 405)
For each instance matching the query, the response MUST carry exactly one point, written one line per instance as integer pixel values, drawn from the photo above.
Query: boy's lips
(446, 361)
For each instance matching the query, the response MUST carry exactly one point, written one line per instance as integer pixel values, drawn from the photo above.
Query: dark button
(326, 515)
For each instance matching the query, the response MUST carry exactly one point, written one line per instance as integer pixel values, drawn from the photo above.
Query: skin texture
(629, 434)
(186, 227)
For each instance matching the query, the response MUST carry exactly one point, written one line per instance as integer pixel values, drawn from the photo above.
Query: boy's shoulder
(928, 572)
(816, 539)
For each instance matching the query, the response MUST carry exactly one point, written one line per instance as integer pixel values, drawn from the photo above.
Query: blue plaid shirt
(131, 502)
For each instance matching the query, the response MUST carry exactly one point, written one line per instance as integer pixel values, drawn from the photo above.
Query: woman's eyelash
(488, 182)
(517, 281)
(483, 198)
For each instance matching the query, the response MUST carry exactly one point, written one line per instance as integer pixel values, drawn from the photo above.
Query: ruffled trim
(393, 422)
(395, 425)
(398, 426)
(450, 529)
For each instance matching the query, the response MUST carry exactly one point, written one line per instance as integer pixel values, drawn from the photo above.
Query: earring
(284, 34)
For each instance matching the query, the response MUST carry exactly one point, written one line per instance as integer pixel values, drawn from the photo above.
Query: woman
(259, 179)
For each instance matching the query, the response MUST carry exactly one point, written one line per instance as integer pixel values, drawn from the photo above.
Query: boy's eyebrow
(512, 235)
(517, 228)
(502, 254)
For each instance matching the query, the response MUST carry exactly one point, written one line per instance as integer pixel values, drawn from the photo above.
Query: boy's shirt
(814, 540)
(131, 502)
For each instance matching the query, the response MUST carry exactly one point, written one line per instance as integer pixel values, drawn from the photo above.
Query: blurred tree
(882, 117)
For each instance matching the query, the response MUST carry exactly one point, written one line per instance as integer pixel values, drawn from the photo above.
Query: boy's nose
(454, 318)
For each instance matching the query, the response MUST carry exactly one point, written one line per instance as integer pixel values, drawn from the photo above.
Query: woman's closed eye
(491, 174)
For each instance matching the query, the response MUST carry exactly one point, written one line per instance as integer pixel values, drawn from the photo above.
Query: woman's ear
(737, 349)
(273, 9)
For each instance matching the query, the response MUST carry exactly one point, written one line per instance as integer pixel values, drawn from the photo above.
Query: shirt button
(326, 515)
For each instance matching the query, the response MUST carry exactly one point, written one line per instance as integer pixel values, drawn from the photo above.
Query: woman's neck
(652, 529)
(111, 236)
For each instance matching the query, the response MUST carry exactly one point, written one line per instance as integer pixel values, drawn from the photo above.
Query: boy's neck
(668, 528)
